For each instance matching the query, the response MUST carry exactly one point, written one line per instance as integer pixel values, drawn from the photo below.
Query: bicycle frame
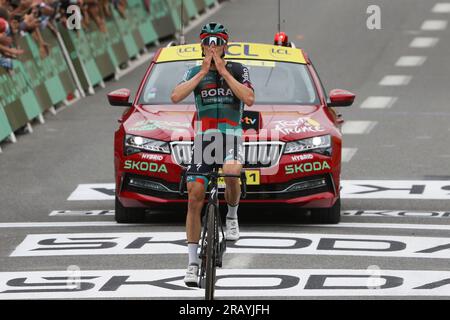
(211, 245)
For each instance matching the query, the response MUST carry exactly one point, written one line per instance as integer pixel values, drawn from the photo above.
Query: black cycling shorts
(212, 151)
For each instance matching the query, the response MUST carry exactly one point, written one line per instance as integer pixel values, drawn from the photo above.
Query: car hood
(285, 122)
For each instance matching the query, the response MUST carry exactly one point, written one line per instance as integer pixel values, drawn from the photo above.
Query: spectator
(7, 52)
(19, 17)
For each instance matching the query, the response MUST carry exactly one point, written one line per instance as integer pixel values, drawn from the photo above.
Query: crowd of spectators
(18, 17)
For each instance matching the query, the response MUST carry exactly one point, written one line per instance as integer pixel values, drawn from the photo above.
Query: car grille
(261, 154)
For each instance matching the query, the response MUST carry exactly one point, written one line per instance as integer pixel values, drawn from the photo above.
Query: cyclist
(221, 88)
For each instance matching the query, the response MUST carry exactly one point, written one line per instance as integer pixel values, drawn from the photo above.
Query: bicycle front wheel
(210, 253)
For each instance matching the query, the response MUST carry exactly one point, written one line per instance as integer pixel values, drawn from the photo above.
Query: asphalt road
(397, 131)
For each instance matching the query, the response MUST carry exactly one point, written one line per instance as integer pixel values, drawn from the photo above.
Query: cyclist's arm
(241, 87)
(185, 88)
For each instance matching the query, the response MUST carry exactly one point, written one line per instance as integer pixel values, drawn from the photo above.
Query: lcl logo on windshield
(188, 51)
(243, 50)
(279, 52)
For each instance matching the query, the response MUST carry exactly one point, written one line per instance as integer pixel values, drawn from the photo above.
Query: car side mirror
(120, 98)
(341, 98)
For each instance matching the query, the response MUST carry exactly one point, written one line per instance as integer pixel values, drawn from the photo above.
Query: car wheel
(128, 215)
(327, 215)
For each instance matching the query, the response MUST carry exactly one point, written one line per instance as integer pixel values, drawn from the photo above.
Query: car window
(274, 82)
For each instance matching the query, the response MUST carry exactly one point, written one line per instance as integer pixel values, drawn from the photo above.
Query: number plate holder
(253, 178)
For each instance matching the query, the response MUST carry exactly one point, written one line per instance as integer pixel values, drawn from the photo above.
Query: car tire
(327, 215)
(128, 215)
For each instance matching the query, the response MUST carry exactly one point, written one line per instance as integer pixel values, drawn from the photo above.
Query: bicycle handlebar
(242, 176)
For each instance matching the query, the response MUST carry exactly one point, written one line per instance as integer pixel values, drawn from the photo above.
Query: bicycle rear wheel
(211, 253)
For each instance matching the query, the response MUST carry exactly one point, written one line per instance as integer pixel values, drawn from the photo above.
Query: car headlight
(134, 144)
(321, 144)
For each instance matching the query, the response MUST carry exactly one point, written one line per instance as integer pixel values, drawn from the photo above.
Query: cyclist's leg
(233, 188)
(196, 186)
(234, 160)
(196, 195)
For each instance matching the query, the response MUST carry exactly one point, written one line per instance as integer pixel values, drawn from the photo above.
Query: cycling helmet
(281, 39)
(214, 28)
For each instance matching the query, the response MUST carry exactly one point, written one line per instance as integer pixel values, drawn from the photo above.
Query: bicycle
(212, 245)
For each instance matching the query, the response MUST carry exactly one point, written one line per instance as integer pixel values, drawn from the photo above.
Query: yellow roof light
(236, 51)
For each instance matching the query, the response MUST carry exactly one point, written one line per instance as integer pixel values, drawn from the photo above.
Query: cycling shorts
(211, 151)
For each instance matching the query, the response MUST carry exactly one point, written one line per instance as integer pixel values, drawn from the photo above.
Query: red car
(292, 137)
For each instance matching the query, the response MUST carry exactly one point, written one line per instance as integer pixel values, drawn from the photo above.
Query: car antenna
(279, 16)
(182, 39)
(279, 30)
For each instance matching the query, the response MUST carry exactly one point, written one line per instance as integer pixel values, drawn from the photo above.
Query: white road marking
(145, 243)
(82, 213)
(441, 8)
(96, 191)
(434, 25)
(61, 224)
(411, 61)
(396, 189)
(358, 127)
(437, 227)
(230, 283)
(424, 42)
(238, 262)
(396, 213)
(348, 153)
(379, 102)
(395, 80)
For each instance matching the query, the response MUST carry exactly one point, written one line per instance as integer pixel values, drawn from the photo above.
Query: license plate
(252, 178)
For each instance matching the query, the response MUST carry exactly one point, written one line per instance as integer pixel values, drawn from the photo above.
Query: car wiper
(268, 78)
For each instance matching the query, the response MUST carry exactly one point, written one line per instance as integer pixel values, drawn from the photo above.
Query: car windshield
(274, 82)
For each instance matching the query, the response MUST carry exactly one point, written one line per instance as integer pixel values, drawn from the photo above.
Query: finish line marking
(82, 213)
(148, 243)
(351, 189)
(230, 283)
(394, 213)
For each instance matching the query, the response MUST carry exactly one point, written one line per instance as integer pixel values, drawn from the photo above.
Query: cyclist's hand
(219, 62)
(206, 61)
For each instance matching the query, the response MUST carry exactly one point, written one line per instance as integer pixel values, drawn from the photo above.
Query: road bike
(213, 242)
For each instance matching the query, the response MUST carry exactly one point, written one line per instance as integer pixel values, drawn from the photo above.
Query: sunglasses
(217, 41)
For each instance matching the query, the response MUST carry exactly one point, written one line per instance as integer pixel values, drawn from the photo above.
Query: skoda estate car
(292, 138)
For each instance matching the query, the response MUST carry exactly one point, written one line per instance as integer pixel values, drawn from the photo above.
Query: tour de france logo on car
(298, 126)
